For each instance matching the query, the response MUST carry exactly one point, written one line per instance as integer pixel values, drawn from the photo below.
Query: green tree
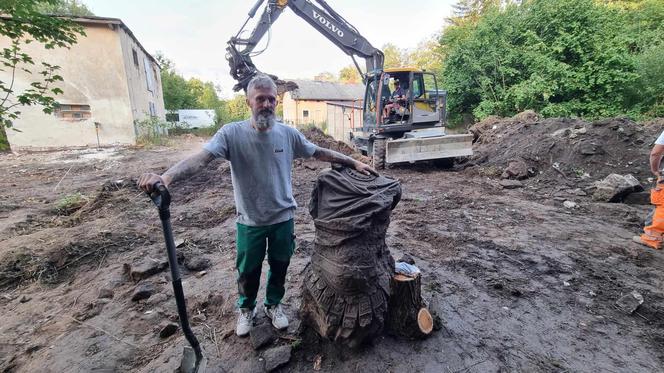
(177, 94)
(562, 58)
(27, 25)
(427, 55)
(394, 56)
(349, 74)
(325, 76)
(237, 108)
(65, 8)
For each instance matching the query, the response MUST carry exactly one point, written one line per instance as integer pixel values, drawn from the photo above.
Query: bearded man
(261, 152)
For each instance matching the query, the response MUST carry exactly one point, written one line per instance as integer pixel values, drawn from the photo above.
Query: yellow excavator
(404, 112)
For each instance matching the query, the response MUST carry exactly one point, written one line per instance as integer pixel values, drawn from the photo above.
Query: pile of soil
(568, 149)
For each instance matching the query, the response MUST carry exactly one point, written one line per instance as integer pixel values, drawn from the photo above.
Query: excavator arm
(315, 12)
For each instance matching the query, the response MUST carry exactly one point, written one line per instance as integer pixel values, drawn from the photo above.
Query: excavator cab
(408, 127)
(419, 102)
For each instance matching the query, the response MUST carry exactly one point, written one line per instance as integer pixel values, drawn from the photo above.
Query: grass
(70, 203)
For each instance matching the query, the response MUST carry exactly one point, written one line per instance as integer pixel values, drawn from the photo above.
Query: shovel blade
(188, 363)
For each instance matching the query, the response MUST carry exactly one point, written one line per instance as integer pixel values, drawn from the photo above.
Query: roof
(106, 21)
(349, 104)
(325, 91)
(401, 69)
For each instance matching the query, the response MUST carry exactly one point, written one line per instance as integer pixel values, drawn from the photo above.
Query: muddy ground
(520, 282)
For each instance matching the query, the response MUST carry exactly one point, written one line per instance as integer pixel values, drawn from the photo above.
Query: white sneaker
(277, 315)
(245, 320)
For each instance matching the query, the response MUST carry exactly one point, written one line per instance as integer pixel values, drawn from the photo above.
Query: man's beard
(265, 120)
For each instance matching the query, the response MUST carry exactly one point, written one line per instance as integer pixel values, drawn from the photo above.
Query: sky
(193, 33)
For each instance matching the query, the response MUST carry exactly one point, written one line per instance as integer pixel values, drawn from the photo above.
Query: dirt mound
(318, 137)
(573, 150)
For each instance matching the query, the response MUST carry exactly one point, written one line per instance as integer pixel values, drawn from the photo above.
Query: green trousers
(252, 243)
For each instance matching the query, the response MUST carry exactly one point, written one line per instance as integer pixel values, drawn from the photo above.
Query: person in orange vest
(653, 235)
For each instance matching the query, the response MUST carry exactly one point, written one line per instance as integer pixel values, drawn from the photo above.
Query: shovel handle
(160, 196)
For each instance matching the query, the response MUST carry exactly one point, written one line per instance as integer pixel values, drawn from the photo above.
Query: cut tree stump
(347, 282)
(407, 313)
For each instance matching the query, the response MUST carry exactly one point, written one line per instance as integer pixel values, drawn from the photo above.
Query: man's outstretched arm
(327, 155)
(184, 169)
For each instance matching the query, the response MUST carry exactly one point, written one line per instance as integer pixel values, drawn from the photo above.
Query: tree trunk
(407, 313)
(347, 283)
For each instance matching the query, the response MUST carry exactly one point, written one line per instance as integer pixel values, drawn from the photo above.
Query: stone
(157, 299)
(105, 293)
(261, 335)
(277, 357)
(168, 330)
(25, 299)
(148, 267)
(179, 242)
(588, 148)
(570, 204)
(516, 169)
(511, 184)
(143, 291)
(614, 187)
(637, 198)
(630, 302)
(197, 264)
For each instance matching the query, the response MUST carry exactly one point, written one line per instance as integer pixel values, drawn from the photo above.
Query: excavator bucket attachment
(420, 145)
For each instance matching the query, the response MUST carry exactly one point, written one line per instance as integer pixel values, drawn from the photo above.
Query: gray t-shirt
(261, 164)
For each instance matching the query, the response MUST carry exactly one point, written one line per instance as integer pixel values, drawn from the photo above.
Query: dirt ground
(520, 282)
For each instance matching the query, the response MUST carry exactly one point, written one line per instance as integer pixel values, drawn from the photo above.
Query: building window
(148, 75)
(72, 112)
(133, 52)
(152, 109)
(305, 113)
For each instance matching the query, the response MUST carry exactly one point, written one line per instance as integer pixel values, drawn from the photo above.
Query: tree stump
(407, 313)
(347, 282)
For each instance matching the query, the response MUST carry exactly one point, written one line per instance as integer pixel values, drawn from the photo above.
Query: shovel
(193, 360)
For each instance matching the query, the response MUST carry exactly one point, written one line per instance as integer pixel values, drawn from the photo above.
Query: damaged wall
(98, 87)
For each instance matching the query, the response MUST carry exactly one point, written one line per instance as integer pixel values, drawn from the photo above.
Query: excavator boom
(315, 12)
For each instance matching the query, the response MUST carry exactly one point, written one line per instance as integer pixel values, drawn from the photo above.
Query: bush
(70, 203)
(559, 58)
(152, 131)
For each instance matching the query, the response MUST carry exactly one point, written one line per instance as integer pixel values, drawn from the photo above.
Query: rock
(276, 357)
(197, 264)
(261, 336)
(89, 310)
(143, 291)
(168, 330)
(630, 302)
(25, 299)
(199, 318)
(526, 116)
(516, 169)
(511, 184)
(105, 293)
(148, 267)
(570, 204)
(180, 242)
(200, 274)
(614, 187)
(638, 198)
(588, 148)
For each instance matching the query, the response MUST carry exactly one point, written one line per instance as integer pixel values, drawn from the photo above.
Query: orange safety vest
(653, 235)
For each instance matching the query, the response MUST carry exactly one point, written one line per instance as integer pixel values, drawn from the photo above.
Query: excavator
(407, 127)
